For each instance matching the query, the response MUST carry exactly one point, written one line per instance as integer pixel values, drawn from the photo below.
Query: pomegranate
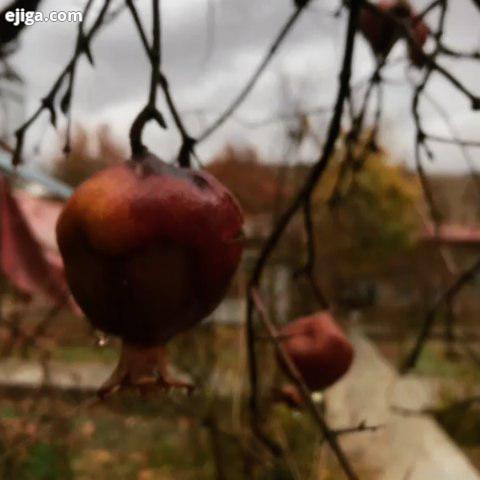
(318, 348)
(420, 34)
(382, 32)
(149, 251)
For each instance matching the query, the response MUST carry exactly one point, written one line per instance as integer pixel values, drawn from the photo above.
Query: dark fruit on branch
(149, 251)
(318, 348)
(382, 31)
(420, 34)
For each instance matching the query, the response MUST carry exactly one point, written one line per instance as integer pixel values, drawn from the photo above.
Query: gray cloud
(207, 66)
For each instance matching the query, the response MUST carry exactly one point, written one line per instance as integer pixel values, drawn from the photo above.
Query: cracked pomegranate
(318, 348)
(149, 251)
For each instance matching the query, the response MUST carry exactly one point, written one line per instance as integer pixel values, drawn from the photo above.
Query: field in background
(54, 435)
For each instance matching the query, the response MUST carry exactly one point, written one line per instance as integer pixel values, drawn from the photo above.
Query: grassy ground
(160, 436)
(172, 436)
(138, 438)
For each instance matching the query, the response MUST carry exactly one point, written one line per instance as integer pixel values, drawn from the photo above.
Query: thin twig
(454, 141)
(188, 142)
(48, 102)
(150, 111)
(447, 297)
(256, 75)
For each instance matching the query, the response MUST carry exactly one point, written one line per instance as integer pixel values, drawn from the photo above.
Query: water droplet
(101, 340)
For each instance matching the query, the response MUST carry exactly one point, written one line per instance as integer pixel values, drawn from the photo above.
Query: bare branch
(48, 102)
(188, 142)
(454, 289)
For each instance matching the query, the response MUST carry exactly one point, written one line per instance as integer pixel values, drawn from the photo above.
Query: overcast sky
(211, 48)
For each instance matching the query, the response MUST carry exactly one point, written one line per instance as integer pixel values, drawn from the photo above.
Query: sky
(211, 47)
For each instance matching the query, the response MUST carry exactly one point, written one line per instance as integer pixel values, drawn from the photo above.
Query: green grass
(8, 412)
(81, 354)
(45, 462)
(435, 362)
(165, 437)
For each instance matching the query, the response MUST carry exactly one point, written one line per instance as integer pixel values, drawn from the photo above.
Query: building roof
(452, 234)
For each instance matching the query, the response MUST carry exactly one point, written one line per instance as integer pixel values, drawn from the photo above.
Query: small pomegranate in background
(318, 348)
(383, 32)
(149, 251)
(380, 31)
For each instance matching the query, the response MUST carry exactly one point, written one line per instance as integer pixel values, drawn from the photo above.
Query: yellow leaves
(376, 172)
(375, 215)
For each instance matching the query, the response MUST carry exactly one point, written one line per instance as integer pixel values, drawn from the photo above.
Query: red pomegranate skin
(318, 348)
(381, 32)
(149, 249)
